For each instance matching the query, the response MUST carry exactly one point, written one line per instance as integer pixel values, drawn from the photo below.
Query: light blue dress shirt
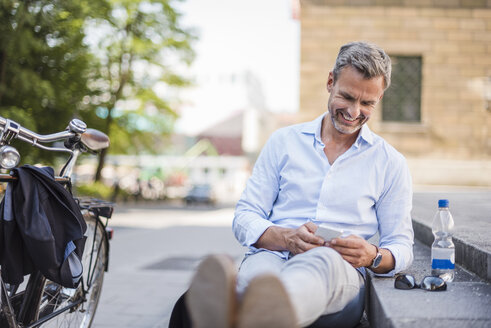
(367, 189)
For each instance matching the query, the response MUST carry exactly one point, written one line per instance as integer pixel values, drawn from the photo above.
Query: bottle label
(442, 264)
(442, 258)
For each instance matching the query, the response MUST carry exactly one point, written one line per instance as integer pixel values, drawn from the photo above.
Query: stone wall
(454, 39)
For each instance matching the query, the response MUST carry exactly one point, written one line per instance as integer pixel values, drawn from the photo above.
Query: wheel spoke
(56, 297)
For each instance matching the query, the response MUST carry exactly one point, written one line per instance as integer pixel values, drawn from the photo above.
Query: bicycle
(41, 302)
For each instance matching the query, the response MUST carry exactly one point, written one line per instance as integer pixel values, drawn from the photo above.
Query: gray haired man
(332, 171)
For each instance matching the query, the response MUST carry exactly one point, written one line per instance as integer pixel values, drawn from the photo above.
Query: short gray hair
(367, 58)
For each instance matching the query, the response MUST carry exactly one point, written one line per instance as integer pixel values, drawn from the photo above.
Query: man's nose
(354, 110)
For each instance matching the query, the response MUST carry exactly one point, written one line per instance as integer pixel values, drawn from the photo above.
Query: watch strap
(377, 259)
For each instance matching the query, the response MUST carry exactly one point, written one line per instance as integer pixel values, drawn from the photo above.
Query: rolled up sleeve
(255, 205)
(394, 216)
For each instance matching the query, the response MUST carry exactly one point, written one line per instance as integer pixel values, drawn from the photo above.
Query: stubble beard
(340, 126)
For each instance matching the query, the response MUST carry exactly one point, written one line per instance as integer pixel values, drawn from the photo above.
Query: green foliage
(99, 60)
(43, 63)
(94, 190)
(137, 45)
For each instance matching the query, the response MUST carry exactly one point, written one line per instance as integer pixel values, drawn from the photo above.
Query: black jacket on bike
(41, 228)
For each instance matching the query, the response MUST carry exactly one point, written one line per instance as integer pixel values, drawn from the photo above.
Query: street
(152, 256)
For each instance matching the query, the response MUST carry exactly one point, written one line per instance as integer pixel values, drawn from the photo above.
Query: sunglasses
(431, 283)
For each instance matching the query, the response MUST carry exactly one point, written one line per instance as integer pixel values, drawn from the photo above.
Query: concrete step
(466, 302)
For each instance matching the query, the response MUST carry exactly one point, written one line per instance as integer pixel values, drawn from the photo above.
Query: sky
(239, 40)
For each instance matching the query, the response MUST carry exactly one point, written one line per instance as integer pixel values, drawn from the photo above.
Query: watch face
(377, 260)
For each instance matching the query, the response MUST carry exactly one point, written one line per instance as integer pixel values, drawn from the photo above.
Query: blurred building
(245, 132)
(438, 110)
(226, 136)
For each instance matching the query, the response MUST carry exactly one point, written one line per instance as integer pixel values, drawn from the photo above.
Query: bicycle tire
(56, 297)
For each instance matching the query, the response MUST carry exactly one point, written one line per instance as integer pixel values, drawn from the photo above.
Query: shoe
(266, 304)
(211, 299)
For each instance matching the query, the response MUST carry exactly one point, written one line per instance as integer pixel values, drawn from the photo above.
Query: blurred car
(200, 194)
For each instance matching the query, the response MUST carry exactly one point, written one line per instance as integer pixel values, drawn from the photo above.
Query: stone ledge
(466, 303)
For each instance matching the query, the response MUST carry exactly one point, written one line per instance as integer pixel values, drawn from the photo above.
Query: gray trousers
(319, 281)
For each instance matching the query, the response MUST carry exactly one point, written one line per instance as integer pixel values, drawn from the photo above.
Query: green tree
(136, 45)
(43, 63)
(100, 60)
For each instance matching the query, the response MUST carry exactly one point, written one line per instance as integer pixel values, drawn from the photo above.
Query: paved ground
(155, 249)
(153, 253)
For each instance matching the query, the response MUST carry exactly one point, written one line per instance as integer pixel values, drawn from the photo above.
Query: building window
(402, 101)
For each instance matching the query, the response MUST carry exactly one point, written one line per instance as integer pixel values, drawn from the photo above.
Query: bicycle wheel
(56, 297)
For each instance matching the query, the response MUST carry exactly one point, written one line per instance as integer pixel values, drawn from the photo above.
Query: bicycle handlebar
(76, 136)
(10, 129)
(75, 132)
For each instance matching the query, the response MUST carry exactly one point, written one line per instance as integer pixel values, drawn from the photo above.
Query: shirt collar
(314, 127)
(365, 134)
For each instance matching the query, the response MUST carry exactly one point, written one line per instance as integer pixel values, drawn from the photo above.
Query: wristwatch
(377, 260)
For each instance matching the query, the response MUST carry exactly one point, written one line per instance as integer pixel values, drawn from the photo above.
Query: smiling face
(352, 99)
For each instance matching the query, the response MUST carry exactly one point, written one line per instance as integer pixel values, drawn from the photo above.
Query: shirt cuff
(401, 263)
(256, 230)
(250, 233)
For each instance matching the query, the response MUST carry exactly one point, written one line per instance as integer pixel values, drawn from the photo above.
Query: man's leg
(212, 298)
(319, 282)
(264, 300)
(277, 292)
(255, 265)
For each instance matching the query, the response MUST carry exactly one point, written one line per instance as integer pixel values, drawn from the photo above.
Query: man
(334, 171)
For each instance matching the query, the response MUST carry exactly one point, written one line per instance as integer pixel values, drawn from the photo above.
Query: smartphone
(328, 233)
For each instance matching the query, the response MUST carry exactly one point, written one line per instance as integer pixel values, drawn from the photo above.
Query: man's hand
(355, 250)
(296, 241)
(360, 253)
(303, 238)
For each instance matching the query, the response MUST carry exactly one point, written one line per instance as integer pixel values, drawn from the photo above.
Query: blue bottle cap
(443, 203)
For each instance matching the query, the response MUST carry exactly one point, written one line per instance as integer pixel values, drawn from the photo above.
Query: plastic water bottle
(443, 249)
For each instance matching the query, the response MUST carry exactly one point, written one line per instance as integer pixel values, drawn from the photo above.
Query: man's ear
(330, 82)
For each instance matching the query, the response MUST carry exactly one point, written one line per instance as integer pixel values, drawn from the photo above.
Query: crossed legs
(272, 292)
(318, 282)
